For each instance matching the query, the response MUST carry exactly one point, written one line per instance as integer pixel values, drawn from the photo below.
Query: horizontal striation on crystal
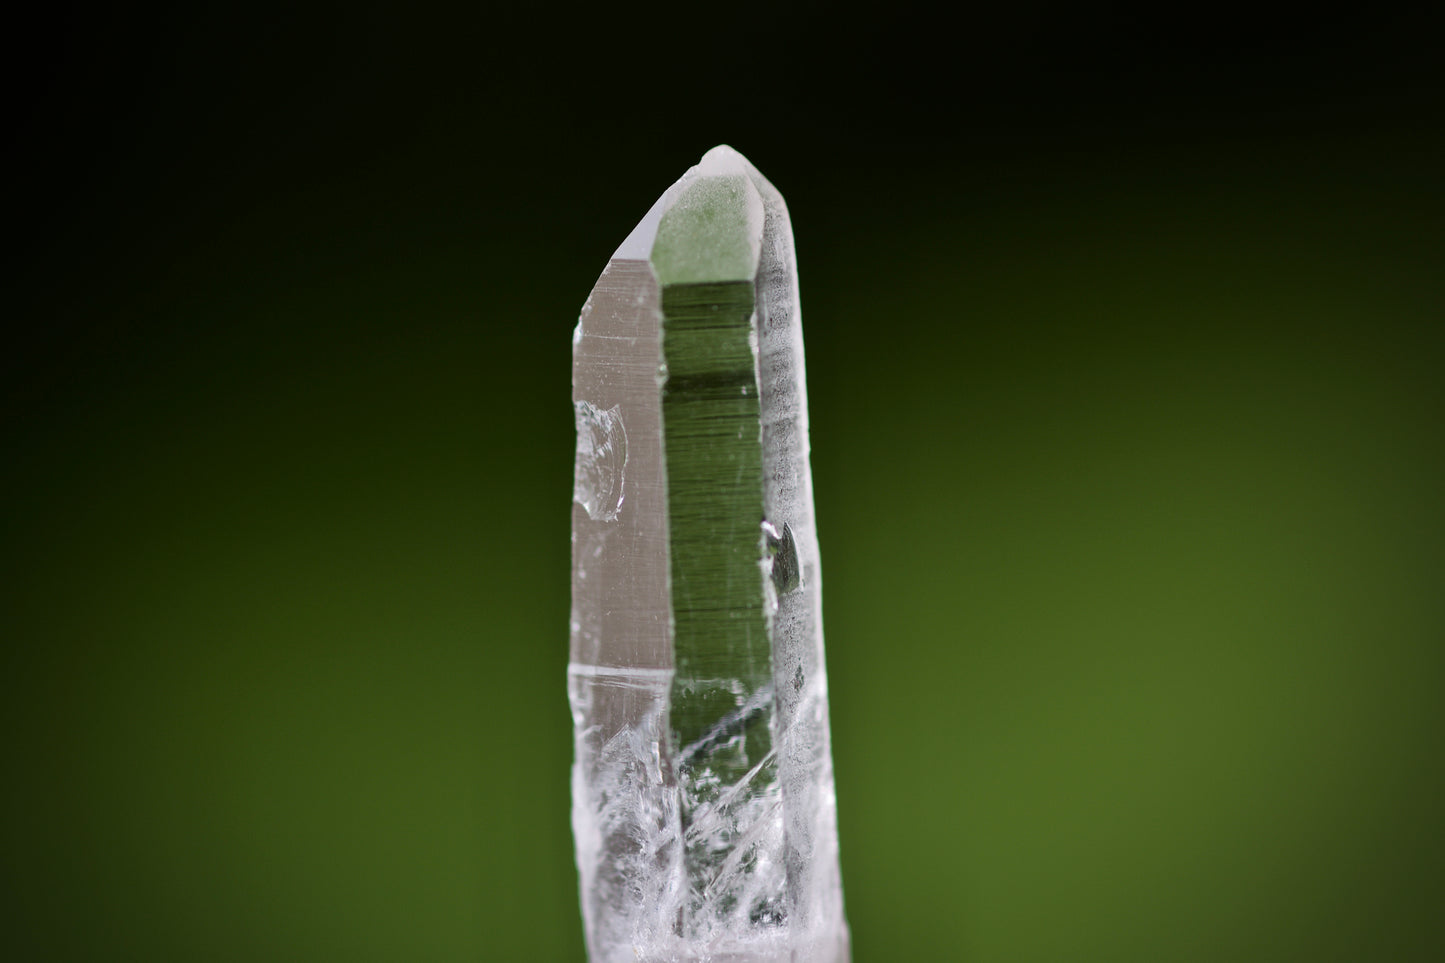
(703, 804)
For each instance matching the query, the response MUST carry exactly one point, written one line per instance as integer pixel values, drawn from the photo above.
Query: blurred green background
(1124, 360)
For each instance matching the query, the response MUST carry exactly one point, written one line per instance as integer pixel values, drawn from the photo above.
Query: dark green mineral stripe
(715, 506)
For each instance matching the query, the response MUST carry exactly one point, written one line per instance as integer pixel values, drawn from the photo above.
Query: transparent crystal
(702, 788)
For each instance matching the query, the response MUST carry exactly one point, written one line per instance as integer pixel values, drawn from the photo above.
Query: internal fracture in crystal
(702, 787)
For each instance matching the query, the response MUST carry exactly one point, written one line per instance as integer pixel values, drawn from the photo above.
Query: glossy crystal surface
(703, 804)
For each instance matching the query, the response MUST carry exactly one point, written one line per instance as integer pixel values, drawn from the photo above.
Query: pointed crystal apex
(722, 160)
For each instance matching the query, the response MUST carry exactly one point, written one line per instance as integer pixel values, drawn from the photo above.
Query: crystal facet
(702, 788)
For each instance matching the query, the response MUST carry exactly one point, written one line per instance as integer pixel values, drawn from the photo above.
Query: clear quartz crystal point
(702, 788)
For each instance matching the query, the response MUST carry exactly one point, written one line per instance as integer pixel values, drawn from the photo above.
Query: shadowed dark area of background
(1124, 360)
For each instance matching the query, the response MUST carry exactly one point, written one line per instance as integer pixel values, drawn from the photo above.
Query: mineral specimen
(702, 788)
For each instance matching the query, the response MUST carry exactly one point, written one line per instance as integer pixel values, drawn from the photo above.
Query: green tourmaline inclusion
(721, 713)
(715, 507)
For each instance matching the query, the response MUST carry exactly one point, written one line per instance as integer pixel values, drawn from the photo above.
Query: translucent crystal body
(703, 803)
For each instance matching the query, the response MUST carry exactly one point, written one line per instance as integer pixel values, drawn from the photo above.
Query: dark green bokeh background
(1124, 361)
